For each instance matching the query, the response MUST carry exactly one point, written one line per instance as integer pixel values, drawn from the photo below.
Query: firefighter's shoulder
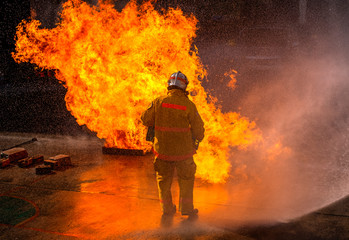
(191, 105)
(150, 105)
(153, 102)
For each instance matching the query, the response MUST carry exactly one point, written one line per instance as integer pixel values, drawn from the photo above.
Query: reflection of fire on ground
(114, 63)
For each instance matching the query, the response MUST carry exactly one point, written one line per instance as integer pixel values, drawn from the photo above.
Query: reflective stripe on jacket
(177, 122)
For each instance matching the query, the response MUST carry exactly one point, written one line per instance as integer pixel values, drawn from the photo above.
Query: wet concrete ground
(115, 197)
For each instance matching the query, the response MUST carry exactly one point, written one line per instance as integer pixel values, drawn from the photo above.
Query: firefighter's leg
(186, 175)
(164, 175)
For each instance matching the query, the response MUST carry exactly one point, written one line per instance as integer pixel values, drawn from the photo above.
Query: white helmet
(178, 79)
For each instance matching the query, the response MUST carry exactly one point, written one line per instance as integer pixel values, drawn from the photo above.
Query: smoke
(78, 147)
(304, 107)
(45, 11)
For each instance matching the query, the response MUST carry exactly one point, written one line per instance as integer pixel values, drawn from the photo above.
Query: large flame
(114, 64)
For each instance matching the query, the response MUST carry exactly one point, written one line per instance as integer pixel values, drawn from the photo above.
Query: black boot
(167, 218)
(193, 216)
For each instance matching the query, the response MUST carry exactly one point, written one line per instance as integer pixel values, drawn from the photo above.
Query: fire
(276, 151)
(114, 64)
(232, 82)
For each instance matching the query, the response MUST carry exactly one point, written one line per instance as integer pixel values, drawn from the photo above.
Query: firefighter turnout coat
(177, 126)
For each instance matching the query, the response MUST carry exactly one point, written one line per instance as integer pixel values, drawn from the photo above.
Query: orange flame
(232, 76)
(114, 64)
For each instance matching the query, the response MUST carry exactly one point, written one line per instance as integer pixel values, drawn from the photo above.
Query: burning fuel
(114, 63)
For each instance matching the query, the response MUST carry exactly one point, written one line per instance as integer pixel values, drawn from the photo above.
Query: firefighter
(178, 132)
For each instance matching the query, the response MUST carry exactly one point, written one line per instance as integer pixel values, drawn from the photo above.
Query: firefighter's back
(173, 135)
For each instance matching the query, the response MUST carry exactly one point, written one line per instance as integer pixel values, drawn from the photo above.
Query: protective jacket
(177, 125)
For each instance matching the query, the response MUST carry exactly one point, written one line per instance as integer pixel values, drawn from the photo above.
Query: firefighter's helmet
(178, 79)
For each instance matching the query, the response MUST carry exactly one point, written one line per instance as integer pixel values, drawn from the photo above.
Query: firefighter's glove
(150, 134)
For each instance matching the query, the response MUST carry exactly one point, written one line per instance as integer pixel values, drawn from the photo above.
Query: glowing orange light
(277, 150)
(114, 64)
(232, 82)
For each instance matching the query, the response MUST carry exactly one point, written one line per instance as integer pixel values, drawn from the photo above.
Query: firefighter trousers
(186, 175)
